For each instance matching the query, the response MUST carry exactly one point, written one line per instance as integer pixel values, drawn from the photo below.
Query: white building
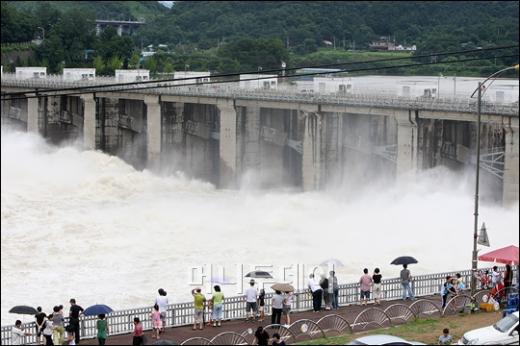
(72, 74)
(31, 72)
(195, 77)
(251, 81)
(332, 85)
(127, 76)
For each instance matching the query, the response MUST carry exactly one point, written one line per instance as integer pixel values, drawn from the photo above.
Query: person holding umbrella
(18, 334)
(406, 279)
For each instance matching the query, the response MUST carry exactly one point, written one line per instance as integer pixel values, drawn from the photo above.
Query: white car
(504, 332)
(382, 340)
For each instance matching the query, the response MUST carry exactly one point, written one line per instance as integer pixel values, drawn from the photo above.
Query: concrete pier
(32, 114)
(153, 131)
(311, 160)
(406, 143)
(89, 122)
(228, 144)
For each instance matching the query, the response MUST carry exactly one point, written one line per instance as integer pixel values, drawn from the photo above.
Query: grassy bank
(422, 330)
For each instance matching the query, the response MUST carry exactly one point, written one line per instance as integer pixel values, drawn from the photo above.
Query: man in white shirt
(162, 302)
(251, 298)
(17, 334)
(317, 293)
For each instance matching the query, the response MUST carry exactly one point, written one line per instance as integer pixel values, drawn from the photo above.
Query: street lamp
(479, 92)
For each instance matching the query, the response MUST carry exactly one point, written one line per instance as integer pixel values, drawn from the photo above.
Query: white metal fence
(121, 322)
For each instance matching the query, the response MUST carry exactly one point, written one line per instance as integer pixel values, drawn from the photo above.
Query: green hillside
(224, 36)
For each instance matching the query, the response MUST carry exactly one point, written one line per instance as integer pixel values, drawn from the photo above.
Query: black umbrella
(259, 275)
(23, 310)
(404, 260)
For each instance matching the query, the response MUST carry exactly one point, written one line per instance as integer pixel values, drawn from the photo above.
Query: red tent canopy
(506, 255)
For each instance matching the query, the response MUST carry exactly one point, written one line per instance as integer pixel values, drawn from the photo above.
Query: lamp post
(479, 92)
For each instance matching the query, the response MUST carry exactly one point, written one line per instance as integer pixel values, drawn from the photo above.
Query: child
(138, 332)
(445, 338)
(261, 303)
(156, 322)
(209, 303)
(277, 341)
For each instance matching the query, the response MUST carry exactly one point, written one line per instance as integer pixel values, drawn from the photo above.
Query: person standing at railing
(334, 288)
(156, 321)
(446, 289)
(218, 303)
(198, 301)
(58, 330)
(508, 278)
(406, 281)
(276, 307)
(47, 331)
(74, 313)
(138, 333)
(162, 301)
(40, 319)
(102, 329)
(251, 298)
(316, 291)
(376, 287)
(365, 283)
(287, 303)
(261, 305)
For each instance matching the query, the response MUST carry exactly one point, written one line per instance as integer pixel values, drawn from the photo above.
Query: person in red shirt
(138, 332)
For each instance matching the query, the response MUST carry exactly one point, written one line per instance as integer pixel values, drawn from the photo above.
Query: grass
(422, 330)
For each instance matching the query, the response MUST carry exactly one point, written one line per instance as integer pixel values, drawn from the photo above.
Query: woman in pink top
(156, 321)
(365, 282)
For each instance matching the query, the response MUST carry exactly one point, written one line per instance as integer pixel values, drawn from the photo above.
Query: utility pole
(475, 225)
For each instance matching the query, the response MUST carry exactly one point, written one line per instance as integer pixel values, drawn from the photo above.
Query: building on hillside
(72, 74)
(31, 72)
(195, 77)
(251, 81)
(127, 76)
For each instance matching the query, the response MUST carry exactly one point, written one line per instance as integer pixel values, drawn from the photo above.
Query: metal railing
(457, 105)
(180, 314)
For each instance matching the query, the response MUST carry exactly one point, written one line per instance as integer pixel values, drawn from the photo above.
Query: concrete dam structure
(285, 138)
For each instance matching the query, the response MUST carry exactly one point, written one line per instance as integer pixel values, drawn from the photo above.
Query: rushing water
(86, 225)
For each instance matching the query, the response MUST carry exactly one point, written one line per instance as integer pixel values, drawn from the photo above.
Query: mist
(87, 225)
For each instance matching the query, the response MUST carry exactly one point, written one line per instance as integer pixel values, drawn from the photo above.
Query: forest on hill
(245, 35)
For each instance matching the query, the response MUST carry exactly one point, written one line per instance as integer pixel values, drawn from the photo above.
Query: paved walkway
(179, 334)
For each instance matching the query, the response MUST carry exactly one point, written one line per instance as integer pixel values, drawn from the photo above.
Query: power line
(37, 95)
(103, 86)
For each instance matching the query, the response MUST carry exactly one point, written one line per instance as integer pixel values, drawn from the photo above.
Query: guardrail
(458, 105)
(180, 314)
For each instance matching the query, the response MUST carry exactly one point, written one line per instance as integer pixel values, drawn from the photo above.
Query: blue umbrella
(97, 310)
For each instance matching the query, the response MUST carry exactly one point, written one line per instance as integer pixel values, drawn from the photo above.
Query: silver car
(382, 339)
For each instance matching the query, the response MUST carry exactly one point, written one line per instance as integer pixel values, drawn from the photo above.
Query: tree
(134, 60)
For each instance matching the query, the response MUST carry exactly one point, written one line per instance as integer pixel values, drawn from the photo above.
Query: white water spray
(89, 226)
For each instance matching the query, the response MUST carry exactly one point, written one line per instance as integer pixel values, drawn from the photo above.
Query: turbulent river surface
(87, 225)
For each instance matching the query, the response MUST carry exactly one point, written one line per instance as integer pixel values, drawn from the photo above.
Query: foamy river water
(86, 225)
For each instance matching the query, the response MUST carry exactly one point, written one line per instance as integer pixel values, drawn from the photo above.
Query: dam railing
(457, 105)
(180, 314)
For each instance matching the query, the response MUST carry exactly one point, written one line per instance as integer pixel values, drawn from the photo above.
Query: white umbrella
(334, 262)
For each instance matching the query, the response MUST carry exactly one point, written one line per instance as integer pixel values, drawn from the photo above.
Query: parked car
(504, 332)
(382, 339)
